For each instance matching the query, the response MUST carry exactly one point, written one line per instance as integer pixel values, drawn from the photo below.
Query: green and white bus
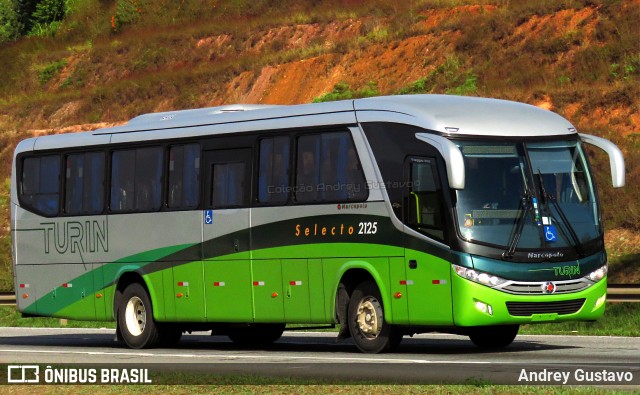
(387, 216)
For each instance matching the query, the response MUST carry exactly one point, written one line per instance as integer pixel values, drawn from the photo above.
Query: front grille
(525, 309)
(536, 288)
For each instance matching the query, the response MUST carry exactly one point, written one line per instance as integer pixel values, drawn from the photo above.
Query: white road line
(28, 328)
(235, 357)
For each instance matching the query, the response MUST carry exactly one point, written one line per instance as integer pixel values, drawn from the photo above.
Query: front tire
(494, 337)
(135, 318)
(370, 332)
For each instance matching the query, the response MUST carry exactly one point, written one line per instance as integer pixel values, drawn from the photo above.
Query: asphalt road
(430, 358)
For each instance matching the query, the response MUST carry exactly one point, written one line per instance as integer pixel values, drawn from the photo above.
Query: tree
(24, 10)
(48, 11)
(9, 21)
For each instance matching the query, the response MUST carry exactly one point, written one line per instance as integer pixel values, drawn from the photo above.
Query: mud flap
(118, 337)
(342, 306)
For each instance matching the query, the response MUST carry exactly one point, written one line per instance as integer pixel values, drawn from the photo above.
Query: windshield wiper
(525, 203)
(550, 198)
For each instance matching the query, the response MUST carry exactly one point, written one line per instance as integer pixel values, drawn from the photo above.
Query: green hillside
(76, 65)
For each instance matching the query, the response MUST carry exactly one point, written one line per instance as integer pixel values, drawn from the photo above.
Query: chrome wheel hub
(370, 317)
(135, 316)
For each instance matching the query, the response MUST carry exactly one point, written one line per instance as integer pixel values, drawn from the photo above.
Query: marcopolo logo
(549, 288)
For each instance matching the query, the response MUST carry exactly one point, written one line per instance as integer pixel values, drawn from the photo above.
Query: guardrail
(615, 293)
(623, 293)
(7, 299)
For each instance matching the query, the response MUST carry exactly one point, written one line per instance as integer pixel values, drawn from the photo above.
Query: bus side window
(84, 183)
(184, 177)
(41, 184)
(328, 169)
(228, 185)
(122, 180)
(148, 179)
(273, 170)
(308, 169)
(136, 180)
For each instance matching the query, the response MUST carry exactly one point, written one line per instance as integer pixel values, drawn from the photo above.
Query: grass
(259, 385)
(10, 317)
(620, 319)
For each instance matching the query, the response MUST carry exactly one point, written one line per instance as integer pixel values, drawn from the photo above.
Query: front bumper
(470, 297)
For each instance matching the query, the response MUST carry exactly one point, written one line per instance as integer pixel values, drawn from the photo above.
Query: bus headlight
(598, 274)
(478, 277)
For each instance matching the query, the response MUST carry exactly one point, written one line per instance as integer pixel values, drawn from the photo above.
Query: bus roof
(464, 115)
(442, 114)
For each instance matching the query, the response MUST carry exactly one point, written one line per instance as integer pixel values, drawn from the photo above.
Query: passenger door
(428, 278)
(226, 249)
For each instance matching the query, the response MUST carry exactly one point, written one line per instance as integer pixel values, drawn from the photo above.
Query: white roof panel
(225, 115)
(463, 115)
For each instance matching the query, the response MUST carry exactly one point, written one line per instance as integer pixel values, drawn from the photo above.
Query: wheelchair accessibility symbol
(208, 217)
(550, 233)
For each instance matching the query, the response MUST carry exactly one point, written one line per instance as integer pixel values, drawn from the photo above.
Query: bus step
(308, 328)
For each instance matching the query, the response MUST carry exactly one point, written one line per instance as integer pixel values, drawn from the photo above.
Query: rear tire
(370, 332)
(256, 334)
(494, 337)
(135, 318)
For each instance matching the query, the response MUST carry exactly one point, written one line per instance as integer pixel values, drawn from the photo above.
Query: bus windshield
(527, 195)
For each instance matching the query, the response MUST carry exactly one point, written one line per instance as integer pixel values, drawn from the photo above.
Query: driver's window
(425, 208)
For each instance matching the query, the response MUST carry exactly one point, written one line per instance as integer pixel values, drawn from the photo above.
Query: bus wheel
(257, 334)
(135, 318)
(494, 336)
(366, 321)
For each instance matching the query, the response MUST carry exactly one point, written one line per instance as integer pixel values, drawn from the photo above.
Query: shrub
(127, 12)
(468, 87)
(449, 77)
(45, 30)
(342, 91)
(46, 73)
